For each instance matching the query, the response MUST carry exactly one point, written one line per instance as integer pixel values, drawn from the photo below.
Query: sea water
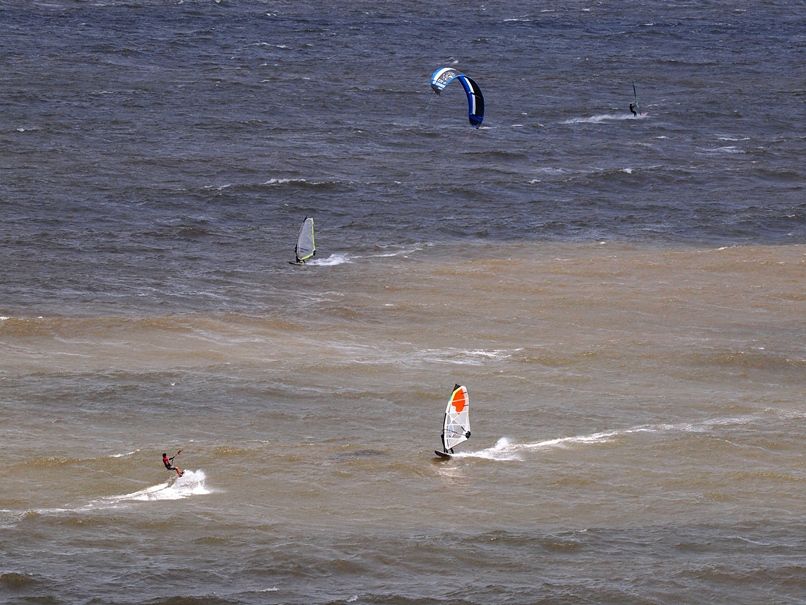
(623, 297)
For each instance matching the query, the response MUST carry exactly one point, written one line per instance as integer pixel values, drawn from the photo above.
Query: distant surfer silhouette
(169, 463)
(634, 105)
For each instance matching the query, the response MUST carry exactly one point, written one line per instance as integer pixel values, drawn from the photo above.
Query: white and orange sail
(456, 426)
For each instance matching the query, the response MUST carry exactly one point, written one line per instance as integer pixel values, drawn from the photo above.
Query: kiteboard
(456, 423)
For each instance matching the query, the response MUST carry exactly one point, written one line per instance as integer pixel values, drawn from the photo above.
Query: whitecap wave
(285, 181)
(401, 252)
(471, 357)
(124, 455)
(725, 149)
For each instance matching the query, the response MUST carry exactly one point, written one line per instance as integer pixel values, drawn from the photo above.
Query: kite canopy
(475, 100)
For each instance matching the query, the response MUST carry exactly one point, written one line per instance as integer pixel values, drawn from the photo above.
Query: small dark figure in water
(168, 462)
(633, 108)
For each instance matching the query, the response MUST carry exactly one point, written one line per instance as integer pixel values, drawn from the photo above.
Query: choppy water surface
(624, 298)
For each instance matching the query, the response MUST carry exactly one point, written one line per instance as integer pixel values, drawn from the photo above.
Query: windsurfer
(169, 465)
(633, 108)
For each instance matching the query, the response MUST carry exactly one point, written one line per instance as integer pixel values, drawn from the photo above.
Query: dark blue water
(173, 134)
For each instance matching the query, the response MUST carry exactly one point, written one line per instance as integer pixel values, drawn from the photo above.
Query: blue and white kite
(475, 100)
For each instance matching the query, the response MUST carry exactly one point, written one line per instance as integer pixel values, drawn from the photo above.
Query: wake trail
(605, 117)
(505, 450)
(342, 258)
(191, 483)
(332, 260)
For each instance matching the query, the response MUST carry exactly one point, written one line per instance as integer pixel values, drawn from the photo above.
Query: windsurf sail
(475, 100)
(635, 100)
(306, 243)
(456, 426)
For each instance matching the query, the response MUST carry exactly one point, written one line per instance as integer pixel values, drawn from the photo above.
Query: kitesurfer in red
(168, 462)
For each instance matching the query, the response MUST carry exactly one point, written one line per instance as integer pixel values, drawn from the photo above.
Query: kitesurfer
(633, 107)
(168, 462)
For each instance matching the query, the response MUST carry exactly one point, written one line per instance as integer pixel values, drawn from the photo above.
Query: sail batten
(456, 426)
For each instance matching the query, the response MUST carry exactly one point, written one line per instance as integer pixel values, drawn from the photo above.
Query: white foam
(191, 483)
(337, 258)
(286, 181)
(402, 252)
(551, 170)
(726, 149)
(605, 117)
(502, 451)
(505, 450)
(473, 357)
(124, 454)
(565, 441)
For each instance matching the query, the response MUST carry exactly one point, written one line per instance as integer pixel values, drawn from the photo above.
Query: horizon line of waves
(605, 117)
(505, 450)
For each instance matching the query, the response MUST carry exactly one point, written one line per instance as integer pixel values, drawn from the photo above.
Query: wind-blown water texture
(623, 298)
(146, 144)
